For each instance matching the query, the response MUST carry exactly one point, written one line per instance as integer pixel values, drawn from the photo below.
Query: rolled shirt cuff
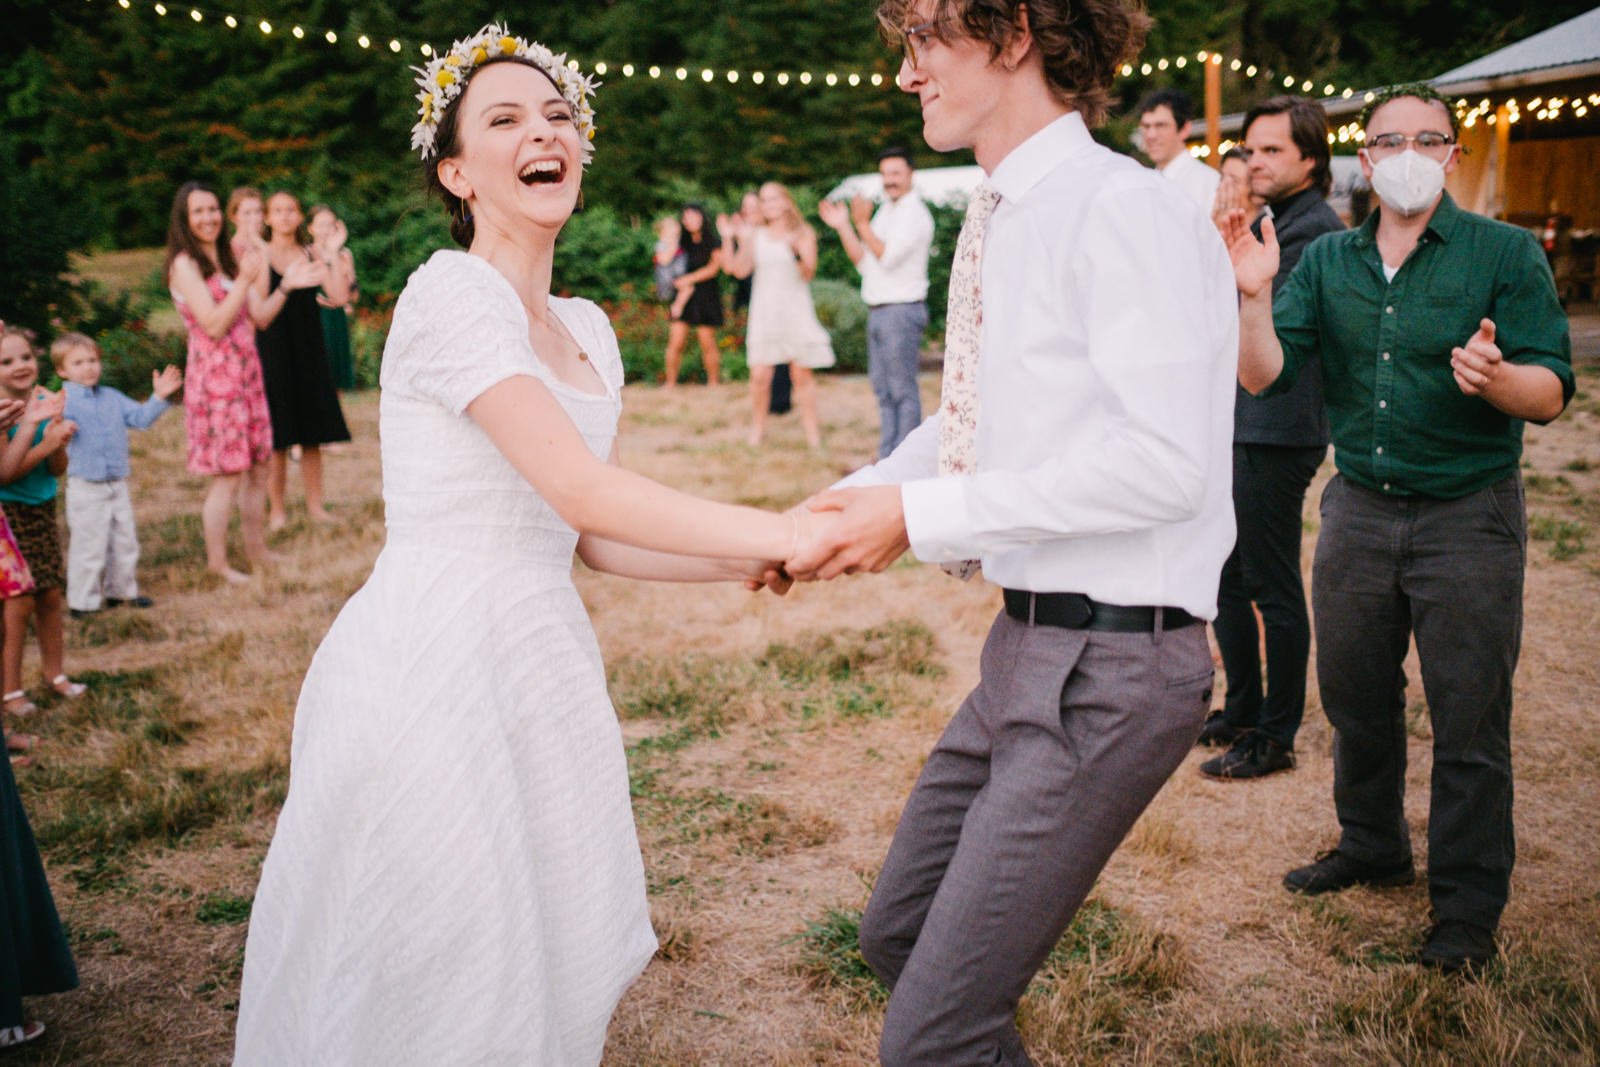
(936, 519)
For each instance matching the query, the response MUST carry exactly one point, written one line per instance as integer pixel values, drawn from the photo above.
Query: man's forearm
(1525, 391)
(1260, 354)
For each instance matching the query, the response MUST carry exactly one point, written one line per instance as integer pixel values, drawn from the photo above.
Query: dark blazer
(1295, 418)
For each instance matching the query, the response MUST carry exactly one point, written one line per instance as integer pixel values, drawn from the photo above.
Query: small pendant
(583, 357)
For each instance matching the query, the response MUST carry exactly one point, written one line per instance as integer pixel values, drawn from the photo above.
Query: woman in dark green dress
(328, 231)
(34, 958)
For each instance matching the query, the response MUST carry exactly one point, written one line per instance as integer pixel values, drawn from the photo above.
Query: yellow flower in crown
(444, 79)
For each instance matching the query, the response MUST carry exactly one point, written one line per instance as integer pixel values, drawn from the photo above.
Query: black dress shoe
(1217, 732)
(80, 613)
(135, 602)
(1333, 871)
(1454, 946)
(1252, 756)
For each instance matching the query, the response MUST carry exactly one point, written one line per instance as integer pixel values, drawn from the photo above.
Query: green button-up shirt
(1400, 423)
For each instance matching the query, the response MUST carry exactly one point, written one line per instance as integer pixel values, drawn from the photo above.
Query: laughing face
(521, 158)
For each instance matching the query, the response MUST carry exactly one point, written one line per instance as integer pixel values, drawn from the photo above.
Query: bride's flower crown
(443, 78)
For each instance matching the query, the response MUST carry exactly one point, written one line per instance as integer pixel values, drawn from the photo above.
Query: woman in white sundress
(455, 876)
(781, 255)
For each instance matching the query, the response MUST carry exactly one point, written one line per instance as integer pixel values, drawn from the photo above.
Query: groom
(1081, 452)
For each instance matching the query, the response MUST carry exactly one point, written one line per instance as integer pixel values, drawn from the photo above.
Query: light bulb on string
(394, 46)
(299, 34)
(333, 38)
(266, 27)
(364, 41)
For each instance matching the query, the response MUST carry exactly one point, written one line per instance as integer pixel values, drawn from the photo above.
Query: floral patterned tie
(958, 393)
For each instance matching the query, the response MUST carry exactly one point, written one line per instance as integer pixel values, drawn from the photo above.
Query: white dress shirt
(1110, 348)
(900, 275)
(1194, 178)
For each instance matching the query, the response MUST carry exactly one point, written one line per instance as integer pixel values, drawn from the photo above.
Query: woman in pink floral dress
(225, 407)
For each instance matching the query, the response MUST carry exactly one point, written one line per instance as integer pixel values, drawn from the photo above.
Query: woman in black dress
(704, 309)
(34, 957)
(294, 362)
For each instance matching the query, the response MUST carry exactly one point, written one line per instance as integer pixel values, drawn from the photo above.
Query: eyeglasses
(915, 37)
(1428, 142)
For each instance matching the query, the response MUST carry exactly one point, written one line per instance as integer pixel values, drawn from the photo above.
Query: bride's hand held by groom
(853, 531)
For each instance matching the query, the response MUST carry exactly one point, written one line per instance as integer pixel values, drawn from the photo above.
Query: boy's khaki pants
(103, 545)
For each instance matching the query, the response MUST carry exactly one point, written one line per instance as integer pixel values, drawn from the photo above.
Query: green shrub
(840, 310)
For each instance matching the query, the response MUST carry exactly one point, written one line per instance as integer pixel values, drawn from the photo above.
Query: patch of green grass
(900, 646)
(101, 940)
(174, 539)
(114, 626)
(1568, 537)
(224, 909)
(135, 703)
(1546, 483)
(84, 812)
(1577, 466)
(830, 958)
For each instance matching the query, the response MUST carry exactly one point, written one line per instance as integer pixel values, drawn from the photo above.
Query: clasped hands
(840, 531)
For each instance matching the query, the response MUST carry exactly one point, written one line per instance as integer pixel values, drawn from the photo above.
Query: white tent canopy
(945, 186)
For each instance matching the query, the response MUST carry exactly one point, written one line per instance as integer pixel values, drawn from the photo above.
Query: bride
(455, 876)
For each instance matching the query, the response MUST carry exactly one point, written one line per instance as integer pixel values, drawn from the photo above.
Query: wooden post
(1500, 204)
(1213, 111)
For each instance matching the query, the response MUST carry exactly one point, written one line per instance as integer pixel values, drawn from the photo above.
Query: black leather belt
(1074, 611)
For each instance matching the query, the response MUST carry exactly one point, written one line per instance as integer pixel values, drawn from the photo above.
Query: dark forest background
(104, 111)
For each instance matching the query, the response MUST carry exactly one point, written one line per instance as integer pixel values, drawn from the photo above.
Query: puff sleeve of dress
(458, 329)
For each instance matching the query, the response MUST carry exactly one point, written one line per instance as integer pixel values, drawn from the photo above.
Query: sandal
(19, 763)
(17, 703)
(21, 742)
(15, 1036)
(67, 687)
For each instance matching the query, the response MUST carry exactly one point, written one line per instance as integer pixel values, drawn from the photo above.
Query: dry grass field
(771, 744)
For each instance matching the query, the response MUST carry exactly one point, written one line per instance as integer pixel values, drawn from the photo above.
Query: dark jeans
(894, 347)
(1269, 494)
(1035, 782)
(1449, 572)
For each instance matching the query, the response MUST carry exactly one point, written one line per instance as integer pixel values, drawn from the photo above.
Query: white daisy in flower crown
(444, 77)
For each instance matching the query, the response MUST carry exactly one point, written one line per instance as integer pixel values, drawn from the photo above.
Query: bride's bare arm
(599, 500)
(627, 561)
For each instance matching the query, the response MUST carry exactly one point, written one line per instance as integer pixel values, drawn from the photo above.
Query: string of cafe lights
(379, 43)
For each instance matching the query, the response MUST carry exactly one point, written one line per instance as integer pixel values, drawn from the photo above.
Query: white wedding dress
(455, 877)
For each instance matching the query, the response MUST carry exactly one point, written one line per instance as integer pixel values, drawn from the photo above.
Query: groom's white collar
(1027, 164)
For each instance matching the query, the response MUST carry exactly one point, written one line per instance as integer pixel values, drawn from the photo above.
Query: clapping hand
(1232, 195)
(1477, 363)
(44, 405)
(250, 265)
(10, 412)
(861, 211)
(59, 433)
(334, 241)
(1255, 262)
(834, 213)
(304, 274)
(166, 381)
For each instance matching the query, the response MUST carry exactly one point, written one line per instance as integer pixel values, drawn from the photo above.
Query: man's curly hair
(1082, 42)
(1420, 90)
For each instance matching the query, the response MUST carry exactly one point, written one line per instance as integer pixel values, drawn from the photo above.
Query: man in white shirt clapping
(1082, 453)
(890, 249)
(1164, 126)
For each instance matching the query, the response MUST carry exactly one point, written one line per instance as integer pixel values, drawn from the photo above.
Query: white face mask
(1408, 182)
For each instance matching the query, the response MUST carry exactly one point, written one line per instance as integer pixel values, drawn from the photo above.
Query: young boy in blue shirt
(103, 550)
